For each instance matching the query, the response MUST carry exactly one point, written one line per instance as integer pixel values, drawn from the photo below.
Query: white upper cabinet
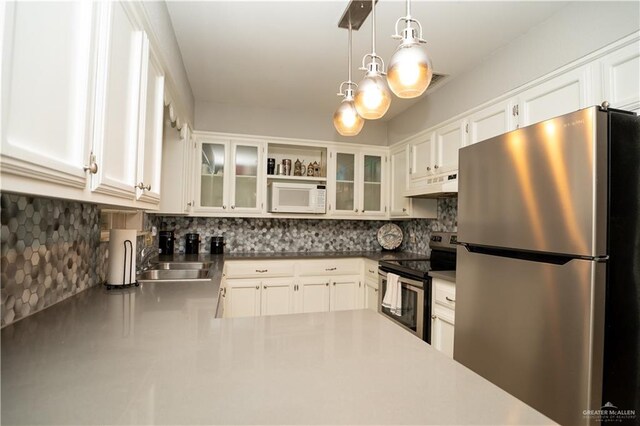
(177, 154)
(151, 128)
(621, 77)
(47, 66)
(490, 121)
(560, 95)
(230, 176)
(421, 155)
(357, 182)
(400, 205)
(447, 141)
(117, 102)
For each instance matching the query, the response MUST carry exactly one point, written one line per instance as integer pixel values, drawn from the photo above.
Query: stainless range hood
(444, 185)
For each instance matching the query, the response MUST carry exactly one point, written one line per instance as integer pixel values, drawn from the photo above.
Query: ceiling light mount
(346, 119)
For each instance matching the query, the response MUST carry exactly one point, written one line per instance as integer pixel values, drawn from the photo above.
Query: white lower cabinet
(277, 296)
(344, 293)
(312, 295)
(443, 315)
(283, 287)
(371, 294)
(241, 298)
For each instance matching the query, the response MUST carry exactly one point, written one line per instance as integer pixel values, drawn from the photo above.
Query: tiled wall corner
(447, 221)
(49, 251)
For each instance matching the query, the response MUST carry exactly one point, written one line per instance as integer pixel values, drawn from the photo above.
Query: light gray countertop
(156, 355)
(445, 275)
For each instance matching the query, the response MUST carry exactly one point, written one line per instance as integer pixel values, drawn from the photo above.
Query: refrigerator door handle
(531, 256)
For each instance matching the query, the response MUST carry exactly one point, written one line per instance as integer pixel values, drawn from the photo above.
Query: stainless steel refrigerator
(548, 269)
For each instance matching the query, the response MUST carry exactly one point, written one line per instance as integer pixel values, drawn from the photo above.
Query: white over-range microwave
(296, 198)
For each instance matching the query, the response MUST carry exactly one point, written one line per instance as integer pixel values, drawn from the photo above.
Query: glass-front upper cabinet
(229, 176)
(372, 187)
(213, 168)
(246, 162)
(345, 185)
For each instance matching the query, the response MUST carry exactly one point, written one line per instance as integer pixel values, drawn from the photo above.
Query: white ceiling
(292, 55)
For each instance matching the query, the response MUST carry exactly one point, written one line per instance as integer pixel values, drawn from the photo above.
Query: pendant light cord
(373, 25)
(350, 50)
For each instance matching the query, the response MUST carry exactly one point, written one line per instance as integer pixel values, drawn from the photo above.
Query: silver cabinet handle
(356, 210)
(233, 207)
(264, 286)
(404, 209)
(327, 284)
(436, 166)
(142, 186)
(189, 204)
(375, 289)
(428, 168)
(334, 284)
(93, 166)
(372, 272)
(330, 269)
(262, 270)
(450, 300)
(224, 207)
(433, 317)
(257, 287)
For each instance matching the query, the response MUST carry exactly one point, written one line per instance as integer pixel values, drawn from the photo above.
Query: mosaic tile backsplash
(49, 251)
(292, 235)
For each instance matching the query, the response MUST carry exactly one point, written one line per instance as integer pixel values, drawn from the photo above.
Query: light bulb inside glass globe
(410, 70)
(346, 119)
(372, 96)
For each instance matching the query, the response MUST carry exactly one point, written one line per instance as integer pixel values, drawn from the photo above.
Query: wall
(575, 31)
(50, 250)
(226, 118)
(291, 235)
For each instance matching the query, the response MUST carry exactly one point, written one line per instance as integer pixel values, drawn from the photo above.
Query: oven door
(412, 316)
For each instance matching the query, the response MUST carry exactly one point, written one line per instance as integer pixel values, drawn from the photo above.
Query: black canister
(217, 245)
(271, 166)
(165, 243)
(192, 244)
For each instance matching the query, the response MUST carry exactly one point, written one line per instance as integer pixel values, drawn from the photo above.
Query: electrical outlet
(412, 237)
(148, 240)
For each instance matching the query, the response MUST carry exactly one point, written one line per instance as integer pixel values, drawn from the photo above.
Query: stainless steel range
(415, 283)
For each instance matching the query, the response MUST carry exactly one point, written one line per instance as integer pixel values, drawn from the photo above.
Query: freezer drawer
(534, 329)
(539, 188)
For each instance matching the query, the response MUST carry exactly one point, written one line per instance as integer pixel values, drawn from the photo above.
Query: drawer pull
(257, 287)
(262, 270)
(331, 269)
(433, 317)
(372, 272)
(450, 300)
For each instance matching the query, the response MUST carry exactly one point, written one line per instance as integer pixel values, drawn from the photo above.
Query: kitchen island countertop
(156, 355)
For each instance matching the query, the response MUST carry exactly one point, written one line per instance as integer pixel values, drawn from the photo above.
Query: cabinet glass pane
(372, 183)
(345, 174)
(246, 185)
(212, 175)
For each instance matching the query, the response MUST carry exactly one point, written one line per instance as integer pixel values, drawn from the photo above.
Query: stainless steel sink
(155, 275)
(182, 265)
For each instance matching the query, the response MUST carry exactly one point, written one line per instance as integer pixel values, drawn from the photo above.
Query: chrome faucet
(146, 254)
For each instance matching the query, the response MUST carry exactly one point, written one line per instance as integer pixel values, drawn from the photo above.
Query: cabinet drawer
(371, 269)
(308, 268)
(252, 269)
(444, 293)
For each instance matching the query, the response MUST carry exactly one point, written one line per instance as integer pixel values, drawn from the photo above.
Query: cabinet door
(372, 190)
(245, 171)
(175, 157)
(151, 120)
(312, 295)
(277, 297)
(490, 121)
(344, 293)
(371, 294)
(212, 169)
(400, 205)
(448, 140)
(345, 200)
(117, 102)
(442, 329)
(47, 56)
(421, 155)
(620, 71)
(242, 298)
(565, 93)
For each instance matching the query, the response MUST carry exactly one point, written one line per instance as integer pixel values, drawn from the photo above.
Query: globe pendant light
(346, 119)
(410, 68)
(373, 96)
